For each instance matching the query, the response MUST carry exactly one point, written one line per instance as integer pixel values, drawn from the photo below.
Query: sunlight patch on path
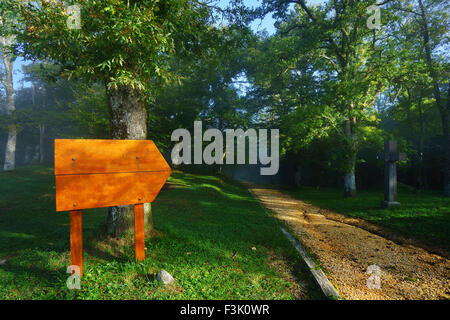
(345, 252)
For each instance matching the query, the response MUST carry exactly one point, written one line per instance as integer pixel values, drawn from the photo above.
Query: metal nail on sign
(103, 173)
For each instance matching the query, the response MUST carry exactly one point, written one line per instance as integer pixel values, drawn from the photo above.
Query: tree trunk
(41, 143)
(35, 155)
(350, 181)
(350, 158)
(10, 151)
(444, 112)
(128, 120)
(447, 147)
(420, 178)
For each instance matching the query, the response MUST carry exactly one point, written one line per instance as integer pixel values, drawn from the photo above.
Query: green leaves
(323, 67)
(119, 43)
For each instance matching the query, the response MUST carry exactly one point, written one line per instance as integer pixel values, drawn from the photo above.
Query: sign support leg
(139, 231)
(76, 239)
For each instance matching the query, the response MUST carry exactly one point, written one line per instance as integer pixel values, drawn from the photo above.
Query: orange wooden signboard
(104, 173)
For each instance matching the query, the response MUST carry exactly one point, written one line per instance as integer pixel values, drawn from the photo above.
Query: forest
(335, 88)
(337, 78)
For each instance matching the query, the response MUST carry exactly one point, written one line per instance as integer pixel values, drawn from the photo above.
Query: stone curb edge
(319, 276)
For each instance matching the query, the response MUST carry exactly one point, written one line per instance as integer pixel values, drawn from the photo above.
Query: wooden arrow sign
(104, 173)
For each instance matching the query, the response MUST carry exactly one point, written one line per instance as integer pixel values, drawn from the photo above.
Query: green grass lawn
(206, 227)
(424, 216)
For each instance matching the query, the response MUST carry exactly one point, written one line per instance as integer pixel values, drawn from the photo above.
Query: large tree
(127, 45)
(330, 50)
(7, 38)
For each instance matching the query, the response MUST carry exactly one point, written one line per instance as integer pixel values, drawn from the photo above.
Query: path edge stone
(321, 279)
(319, 276)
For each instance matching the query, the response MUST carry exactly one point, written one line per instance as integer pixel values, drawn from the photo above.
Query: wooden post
(94, 173)
(139, 231)
(76, 239)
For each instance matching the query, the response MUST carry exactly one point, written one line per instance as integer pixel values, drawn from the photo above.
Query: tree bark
(447, 148)
(420, 180)
(350, 161)
(10, 151)
(128, 120)
(41, 143)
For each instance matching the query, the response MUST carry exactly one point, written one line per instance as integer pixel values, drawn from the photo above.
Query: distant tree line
(334, 86)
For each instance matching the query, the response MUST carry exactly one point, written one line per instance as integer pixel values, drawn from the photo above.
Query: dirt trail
(345, 252)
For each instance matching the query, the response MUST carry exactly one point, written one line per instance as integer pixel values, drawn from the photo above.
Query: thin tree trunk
(349, 176)
(349, 180)
(42, 128)
(128, 120)
(447, 148)
(10, 151)
(444, 112)
(27, 157)
(417, 165)
(420, 148)
(41, 143)
(35, 155)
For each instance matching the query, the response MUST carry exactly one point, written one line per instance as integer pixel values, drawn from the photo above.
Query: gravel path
(345, 252)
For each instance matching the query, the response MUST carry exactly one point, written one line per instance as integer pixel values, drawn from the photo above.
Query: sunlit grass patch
(424, 216)
(206, 227)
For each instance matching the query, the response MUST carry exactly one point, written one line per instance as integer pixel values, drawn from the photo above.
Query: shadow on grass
(421, 219)
(213, 238)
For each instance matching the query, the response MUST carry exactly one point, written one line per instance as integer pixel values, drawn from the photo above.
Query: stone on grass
(164, 277)
(3, 261)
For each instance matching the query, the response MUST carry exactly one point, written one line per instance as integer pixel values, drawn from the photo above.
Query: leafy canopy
(121, 43)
